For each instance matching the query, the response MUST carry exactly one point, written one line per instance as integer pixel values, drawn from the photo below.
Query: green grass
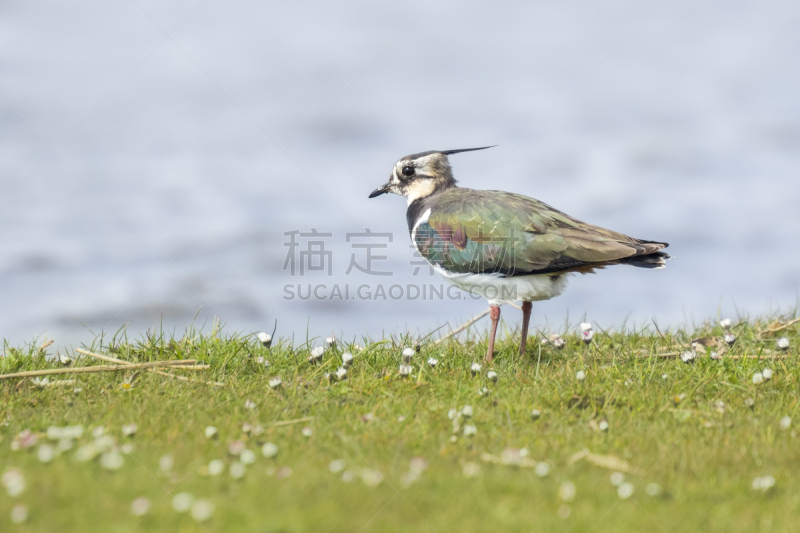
(669, 429)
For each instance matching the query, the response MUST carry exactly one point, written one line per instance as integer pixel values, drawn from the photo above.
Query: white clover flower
(210, 432)
(492, 375)
(763, 484)
(275, 382)
(758, 378)
(714, 355)
(129, 430)
(617, 478)
(653, 489)
(749, 402)
(247, 427)
(357, 347)
(408, 353)
(336, 466)
(720, 406)
(587, 333)
(265, 339)
(64, 359)
(405, 370)
(401, 418)
(347, 359)
(542, 469)
(13, 481)
(104, 443)
(466, 411)
(307, 431)
(348, 476)
(767, 373)
(603, 425)
(688, 357)
(330, 342)
(453, 439)
(112, 460)
(625, 491)
(316, 355)
(555, 341)
(483, 391)
(182, 501)
(45, 453)
(413, 474)
(202, 510)
(452, 413)
(216, 467)
(725, 323)
(471, 470)
(86, 453)
(370, 477)
(475, 368)
(417, 464)
(729, 338)
(470, 430)
(249, 404)
(341, 373)
(258, 429)
(62, 433)
(432, 362)
(536, 414)
(783, 343)
(236, 447)
(41, 382)
(786, 422)
(140, 506)
(567, 491)
(127, 448)
(664, 376)
(165, 463)
(580, 375)
(236, 470)
(19, 513)
(247, 457)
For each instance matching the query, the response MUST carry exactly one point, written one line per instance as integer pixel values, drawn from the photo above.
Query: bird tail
(652, 257)
(656, 260)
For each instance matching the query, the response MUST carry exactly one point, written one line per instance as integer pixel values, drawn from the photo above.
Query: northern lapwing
(500, 245)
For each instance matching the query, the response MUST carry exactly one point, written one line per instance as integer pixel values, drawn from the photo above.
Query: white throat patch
(419, 189)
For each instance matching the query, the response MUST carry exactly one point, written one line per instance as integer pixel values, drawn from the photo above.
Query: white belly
(499, 290)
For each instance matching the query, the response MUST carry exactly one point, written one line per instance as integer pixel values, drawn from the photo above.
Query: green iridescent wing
(494, 231)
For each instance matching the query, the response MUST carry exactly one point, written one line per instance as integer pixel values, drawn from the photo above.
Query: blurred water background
(152, 154)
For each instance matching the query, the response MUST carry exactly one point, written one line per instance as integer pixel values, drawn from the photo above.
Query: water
(169, 193)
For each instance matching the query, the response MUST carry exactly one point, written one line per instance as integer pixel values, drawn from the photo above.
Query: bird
(503, 246)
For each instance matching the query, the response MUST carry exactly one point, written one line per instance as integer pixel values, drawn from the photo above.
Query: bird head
(419, 175)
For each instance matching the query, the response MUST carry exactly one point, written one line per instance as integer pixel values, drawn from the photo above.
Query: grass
(665, 421)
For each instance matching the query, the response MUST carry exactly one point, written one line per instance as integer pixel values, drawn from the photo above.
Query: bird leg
(494, 314)
(526, 320)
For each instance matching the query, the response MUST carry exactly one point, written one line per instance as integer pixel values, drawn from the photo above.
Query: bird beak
(383, 189)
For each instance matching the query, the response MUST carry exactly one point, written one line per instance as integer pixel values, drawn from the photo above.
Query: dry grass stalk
(159, 372)
(464, 326)
(101, 368)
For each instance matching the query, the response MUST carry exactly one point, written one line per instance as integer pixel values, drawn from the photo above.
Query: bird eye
(408, 171)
